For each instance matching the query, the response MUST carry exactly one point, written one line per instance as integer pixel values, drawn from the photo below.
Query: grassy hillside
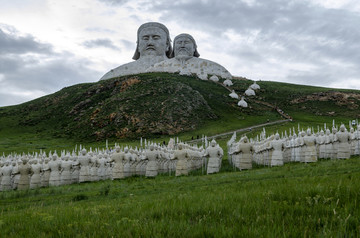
(159, 106)
(297, 200)
(126, 108)
(308, 103)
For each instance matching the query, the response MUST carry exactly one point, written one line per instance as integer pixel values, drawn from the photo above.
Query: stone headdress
(153, 24)
(196, 53)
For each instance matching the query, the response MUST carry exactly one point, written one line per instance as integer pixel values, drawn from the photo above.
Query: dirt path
(240, 130)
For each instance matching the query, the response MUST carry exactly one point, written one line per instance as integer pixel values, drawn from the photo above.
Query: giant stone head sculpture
(153, 38)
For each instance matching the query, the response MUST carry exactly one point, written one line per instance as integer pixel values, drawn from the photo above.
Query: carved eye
(145, 38)
(156, 37)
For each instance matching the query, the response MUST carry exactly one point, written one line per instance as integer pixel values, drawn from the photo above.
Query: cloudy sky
(46, 45)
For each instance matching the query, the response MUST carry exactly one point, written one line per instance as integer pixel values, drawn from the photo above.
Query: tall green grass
(297, 200)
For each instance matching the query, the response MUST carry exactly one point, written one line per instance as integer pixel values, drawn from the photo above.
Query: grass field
(297, 200)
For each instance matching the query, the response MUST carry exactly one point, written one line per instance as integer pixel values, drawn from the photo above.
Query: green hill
(157, 105)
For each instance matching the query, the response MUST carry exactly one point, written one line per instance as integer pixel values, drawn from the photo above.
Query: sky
(46, 45)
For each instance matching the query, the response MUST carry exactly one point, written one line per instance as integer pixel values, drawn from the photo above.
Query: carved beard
(183, 58)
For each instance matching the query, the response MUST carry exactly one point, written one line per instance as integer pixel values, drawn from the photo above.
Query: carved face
(152, 41)
(342, 128)
(184, 47)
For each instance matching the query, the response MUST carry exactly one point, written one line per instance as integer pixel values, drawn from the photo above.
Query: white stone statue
(310, 147)
(153, 46)
(171, 144)
(101, 167)
(66, 166)
(255, 86)
(15, 175)
(45, 169)
(186, 61)
(54, 166)
(250, 92)
(357, 141)
(127, 165)
(277, 146)
(181, 156)
(215, 154)
(214, 78)
(84, 161)
(75, 168)
(321, 144)
(35, 181)
(24, 170)
(93, 166)
(134, 162)
(344, 146)
(228, 83)
(152, 156)
(335, 143)
(242, 103)
(234, 95)
(353, 141)
(5, 174)
(117, 158)
(246, 149)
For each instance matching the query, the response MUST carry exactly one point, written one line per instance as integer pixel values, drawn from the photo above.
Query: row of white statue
(38, 170)
(34, 171)
(306, 147)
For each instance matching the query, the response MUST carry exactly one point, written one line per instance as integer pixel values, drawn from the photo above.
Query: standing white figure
(310, 147)
(54, 166)
(84, 161)
(66, 166)
(151, 167)
(15, 175)
(24, 170)
(35, 181)
(277, 146)
(45, 169)
(215, 154)
(127, 165)
(182, 156)
(335, 144)
(117, 158)
(328, 144)
(101, 167)
(5, 174)
(75, 168)
(344, 146)
(321, 143)
(245, 149)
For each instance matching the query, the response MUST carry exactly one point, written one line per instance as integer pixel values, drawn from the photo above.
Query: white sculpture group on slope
(249, 92)
(39, 170)
(154, 53)
(306, 147)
